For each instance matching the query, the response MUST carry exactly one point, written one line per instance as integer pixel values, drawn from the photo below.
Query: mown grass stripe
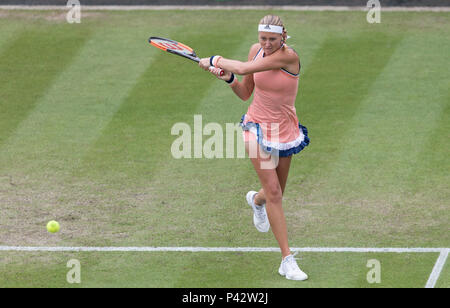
(73, 111)
(29, 66)
(138, 138)
(391, 125)
(431, 172)
(370, 176)
(334, 86)
(233, 269)
(136, 143)
(48, 147)
(9, 30)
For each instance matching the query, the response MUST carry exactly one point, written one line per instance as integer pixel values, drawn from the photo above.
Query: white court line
(220, 249)
(224, 7)
(437, 269)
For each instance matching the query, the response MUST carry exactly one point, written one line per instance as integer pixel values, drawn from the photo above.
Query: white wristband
(213, 60)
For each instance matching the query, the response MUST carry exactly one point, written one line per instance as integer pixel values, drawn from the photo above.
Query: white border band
(236, 7)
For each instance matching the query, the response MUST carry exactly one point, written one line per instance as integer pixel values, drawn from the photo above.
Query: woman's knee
(273, 193)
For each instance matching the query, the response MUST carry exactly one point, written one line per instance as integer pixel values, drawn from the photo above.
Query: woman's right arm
(244, 89)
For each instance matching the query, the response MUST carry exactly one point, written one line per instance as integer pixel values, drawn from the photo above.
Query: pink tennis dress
(271, 118)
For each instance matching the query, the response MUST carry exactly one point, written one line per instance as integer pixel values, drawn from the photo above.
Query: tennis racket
(180, 49)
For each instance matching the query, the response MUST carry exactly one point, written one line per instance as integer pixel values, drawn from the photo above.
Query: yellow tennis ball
(53, 226)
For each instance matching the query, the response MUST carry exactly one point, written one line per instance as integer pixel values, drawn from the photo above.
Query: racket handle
(216, 71)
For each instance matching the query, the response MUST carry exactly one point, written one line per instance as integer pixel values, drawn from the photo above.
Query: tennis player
(271, 74)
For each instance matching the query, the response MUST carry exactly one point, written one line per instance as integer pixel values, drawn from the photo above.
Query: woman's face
(270, 42)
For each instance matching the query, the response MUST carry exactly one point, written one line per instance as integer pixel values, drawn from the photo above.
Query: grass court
(86, 112)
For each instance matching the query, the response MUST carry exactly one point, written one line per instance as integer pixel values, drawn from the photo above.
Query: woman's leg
(282, 173)
(273, 193)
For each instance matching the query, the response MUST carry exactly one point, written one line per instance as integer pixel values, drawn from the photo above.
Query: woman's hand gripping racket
(180, 49)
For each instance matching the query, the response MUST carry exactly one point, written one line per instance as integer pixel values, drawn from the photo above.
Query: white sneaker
(260, 218)
(290, 269)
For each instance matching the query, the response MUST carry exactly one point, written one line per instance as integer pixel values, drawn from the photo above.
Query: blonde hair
(274, 21)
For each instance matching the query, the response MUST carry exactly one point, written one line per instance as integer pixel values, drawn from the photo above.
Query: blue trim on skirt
(281, 153)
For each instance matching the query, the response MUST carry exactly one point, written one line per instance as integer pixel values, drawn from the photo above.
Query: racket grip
(216, 71)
